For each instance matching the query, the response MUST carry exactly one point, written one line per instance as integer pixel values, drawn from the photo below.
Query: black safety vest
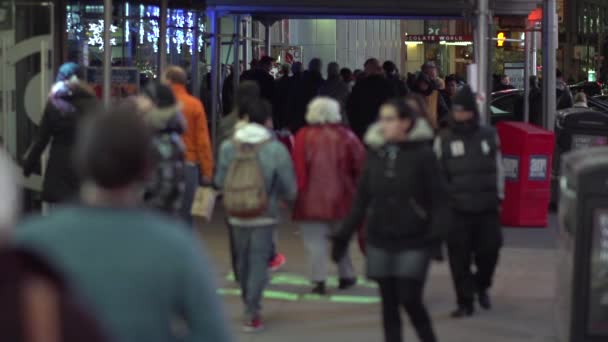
(469, 159)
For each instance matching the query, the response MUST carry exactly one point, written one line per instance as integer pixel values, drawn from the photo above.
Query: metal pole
(195, 76)
(527, 61)
(162, 39)
(549, 64)
(236, 65)
(482, 55)
(216, 46)
(244, 41)
(248, 48)
(107, 52)
(267, 41)
(534, 57)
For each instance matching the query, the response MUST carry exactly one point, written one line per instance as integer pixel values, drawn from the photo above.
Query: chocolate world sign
(439, 38)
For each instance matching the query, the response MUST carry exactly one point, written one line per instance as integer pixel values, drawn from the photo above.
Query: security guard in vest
(470, 158)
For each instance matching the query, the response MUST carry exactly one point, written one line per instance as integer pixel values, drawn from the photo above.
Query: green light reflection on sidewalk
(294, 297)
(297, 280)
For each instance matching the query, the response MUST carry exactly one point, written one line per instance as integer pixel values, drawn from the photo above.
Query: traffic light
(500, 39)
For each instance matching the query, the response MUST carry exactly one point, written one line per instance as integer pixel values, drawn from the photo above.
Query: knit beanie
(465, 100)
(69, 70)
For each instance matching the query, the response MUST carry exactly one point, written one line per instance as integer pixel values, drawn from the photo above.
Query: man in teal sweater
(139, 272)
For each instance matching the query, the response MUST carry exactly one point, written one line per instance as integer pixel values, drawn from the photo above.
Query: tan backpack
(244, 188)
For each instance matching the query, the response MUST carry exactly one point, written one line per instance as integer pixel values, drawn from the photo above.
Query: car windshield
(497, 111)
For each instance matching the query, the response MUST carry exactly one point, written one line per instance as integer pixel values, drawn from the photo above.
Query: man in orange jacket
(199, 154)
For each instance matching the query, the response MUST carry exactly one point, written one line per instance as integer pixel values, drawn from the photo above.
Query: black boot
(463, 311)
(319, 288)
(347, 283)
(484, 300)
(426, 334)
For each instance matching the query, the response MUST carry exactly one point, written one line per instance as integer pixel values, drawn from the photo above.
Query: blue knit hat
(68, 70)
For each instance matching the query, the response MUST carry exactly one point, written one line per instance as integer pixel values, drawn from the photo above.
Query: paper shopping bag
(204, 203)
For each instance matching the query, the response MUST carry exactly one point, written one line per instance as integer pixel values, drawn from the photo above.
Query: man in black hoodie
(470, 158)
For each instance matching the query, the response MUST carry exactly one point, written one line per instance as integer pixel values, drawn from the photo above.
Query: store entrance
(26, 64)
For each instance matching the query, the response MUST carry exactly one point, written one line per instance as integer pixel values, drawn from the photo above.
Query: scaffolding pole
(549, 63)
(107, 52)
(214, 22)
(236, 65)
(195, 75)
(482, 55)
(267, 37)
(162, 39)
(527, 66)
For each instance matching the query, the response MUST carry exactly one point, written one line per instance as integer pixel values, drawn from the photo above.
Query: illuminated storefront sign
(445, 39)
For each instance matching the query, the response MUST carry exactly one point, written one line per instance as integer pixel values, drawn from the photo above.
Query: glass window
(135, 36)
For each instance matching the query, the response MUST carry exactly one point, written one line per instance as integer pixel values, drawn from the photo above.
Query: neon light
(141, 24)
(412, 42)
(96, 34)
(126, 33)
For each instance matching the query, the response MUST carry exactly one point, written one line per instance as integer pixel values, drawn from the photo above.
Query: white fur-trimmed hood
(421, 131)
(323, 110)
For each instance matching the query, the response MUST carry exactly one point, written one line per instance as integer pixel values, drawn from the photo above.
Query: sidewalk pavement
(523, 296)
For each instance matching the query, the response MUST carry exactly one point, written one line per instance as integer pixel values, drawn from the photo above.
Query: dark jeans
(253, 249)
(233, 254)
(192, 177)
(407, 293)
(474, 239)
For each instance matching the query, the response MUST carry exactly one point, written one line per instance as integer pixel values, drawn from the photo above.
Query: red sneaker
(277, 262)
(253, 326)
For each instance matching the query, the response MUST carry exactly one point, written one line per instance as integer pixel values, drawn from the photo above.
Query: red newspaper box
(527, 153)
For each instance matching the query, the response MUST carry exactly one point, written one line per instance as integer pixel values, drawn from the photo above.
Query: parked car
(507, 105)
(589, 88)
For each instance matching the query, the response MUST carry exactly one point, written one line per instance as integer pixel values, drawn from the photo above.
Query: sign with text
(515, 71)
(511, 167)
(538, 168)
(439, 38)
(125, 81)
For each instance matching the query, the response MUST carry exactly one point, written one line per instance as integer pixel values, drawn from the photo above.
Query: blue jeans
(192, 182)
(254, 247)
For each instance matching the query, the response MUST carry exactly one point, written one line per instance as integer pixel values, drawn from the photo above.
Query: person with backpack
(403, 196)
(159, 108)
(254, 171)
(328, 159)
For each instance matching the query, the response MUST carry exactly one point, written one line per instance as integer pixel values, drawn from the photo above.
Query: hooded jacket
(277, 169)
(68, 102)
(402, 193)
(328, 158)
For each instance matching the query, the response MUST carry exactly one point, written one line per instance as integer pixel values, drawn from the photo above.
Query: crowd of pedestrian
(403, 163)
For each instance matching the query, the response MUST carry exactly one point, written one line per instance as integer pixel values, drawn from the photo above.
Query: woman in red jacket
(328, 158)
